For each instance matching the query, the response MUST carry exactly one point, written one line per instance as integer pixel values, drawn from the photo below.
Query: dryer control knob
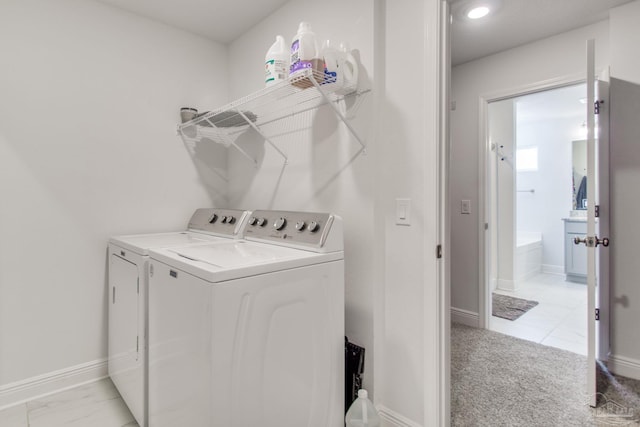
(314, 226)
(300, 225)
(231, 220)
(261, 222)
(223, 219)
(280, 223)
(213, 218)
(253, 220)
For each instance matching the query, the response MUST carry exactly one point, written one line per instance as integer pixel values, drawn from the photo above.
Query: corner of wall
(465, 317)
(624, 366)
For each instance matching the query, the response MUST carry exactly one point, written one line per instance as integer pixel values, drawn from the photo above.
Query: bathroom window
(527, 159)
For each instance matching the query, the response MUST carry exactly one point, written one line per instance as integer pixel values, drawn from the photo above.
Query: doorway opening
(536, 203)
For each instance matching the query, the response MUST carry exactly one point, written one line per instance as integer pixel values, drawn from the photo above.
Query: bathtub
(528, 255)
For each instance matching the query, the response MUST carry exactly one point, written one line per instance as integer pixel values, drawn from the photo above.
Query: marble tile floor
(560, 318)
(95, 404)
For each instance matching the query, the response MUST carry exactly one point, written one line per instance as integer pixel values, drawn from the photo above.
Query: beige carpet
(498, 380)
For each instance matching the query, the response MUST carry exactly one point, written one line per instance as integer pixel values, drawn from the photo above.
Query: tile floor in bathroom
(96, 404)
(560, 318)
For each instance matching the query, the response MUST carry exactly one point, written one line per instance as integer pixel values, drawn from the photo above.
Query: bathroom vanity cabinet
(575, 256)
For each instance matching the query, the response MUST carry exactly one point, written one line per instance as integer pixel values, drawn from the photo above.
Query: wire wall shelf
(300, 93)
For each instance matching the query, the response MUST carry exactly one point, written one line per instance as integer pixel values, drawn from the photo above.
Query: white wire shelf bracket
(300, 93)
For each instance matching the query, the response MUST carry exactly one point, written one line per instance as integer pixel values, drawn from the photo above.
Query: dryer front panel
(126, 332)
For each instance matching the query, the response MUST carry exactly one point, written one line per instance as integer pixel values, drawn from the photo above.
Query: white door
(597, 205)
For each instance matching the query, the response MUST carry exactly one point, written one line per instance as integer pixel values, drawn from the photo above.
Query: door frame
(484, 149)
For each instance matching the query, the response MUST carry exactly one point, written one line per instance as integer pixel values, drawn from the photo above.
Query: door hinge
(597, 314)
(486, 226)
(439, 251)
(138, 286)
(597, 210)
(596, 106)
(137, 344)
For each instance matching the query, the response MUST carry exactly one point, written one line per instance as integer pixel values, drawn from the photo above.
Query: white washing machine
(128, 283)
(250, 333)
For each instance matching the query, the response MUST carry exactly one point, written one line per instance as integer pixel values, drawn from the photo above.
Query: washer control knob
(280, 223)
(300, 225)
(231, 219)
(314, 226)
(213, 218)
(253, 220)
(223, 219)
(261, 222)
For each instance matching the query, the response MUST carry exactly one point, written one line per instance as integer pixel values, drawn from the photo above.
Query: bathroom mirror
(579, 164)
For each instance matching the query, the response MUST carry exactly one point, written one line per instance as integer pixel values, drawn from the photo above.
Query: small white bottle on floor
(362, 413)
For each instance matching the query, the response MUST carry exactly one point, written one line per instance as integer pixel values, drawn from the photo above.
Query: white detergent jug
(305, 54)
(276, 62)
(362, 413)
(349, 80)
(340, 67)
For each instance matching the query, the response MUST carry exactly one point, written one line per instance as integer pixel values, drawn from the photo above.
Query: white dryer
(128, 283)
(250, 333)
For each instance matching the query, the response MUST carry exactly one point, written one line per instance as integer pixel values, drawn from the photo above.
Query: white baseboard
(465, 317)
(23, 391)
(506, 285)
(625, 366)
(390, 418)
(553, 269)
(527, 275)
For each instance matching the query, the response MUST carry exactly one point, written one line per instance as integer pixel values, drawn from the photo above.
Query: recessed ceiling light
(478, 12)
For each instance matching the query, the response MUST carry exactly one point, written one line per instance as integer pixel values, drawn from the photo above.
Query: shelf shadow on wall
(334, 148)
(210, 161)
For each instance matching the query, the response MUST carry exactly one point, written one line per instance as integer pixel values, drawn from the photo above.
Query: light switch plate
(403, 211)
(465, 206)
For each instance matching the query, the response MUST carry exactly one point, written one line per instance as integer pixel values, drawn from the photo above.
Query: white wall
(536, 63)
(543, 210)
(325, 170)
(625, 39)
(88, 149)
(389, 269)
(502, 133)
(624, 182)
(407, 138)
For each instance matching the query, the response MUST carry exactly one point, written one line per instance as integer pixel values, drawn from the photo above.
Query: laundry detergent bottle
(362, 413)
(331, 58)
(276, 62)
(305, 53)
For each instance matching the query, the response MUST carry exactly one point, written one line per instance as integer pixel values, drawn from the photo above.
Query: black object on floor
(353, 370)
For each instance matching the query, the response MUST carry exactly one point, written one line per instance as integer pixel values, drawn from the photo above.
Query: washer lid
(141, 243)
(221, 261)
